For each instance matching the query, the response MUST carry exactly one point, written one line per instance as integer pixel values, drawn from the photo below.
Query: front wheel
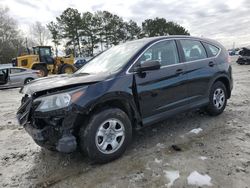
(106, 136)
(217, 99)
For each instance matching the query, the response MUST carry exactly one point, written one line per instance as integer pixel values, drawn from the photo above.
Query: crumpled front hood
(63, 80)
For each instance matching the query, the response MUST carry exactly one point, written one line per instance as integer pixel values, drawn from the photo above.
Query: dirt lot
(217, 156)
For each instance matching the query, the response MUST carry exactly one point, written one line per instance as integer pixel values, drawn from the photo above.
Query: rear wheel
(217, 99)
(67, 68)
(42, 70)
(106, 136)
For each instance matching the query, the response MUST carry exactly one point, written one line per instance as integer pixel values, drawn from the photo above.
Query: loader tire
(43, 70)
(67, 68)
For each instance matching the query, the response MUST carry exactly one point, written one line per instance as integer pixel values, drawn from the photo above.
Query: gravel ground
(188, 150)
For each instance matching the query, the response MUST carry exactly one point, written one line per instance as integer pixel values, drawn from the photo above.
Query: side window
(165, 52)
(13, 71)
(45, 52)
(212, 50)
(24, 62)
(193, 50)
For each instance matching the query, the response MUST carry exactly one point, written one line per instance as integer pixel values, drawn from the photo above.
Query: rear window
(193, 50)
(211, 49)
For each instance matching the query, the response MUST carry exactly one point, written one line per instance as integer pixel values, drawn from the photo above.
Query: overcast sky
(226, 21)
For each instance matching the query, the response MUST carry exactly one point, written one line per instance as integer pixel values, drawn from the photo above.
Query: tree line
(102, 29)
(80, 33)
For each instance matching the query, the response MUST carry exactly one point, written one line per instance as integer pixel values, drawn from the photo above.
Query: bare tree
(10, 41)
(40, 33)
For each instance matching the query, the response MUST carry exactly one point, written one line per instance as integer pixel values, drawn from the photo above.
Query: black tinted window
(193, 50)
(165, 52)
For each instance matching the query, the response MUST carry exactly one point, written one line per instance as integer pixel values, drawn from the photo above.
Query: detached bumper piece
(51, 139)
(67, 144)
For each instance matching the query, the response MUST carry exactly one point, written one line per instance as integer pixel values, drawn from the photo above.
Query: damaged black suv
(125, 88)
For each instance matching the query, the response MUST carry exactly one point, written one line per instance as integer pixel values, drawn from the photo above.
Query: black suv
(126, 87)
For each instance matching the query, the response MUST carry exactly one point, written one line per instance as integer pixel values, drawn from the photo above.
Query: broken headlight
(58, 101)
(53, 102)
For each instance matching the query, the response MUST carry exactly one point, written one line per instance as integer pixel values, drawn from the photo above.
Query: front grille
(24, 110)
(38, 123)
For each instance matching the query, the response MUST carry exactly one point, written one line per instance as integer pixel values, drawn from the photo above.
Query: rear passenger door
(200, 69)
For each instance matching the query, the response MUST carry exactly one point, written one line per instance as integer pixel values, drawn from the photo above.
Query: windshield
(113, 59)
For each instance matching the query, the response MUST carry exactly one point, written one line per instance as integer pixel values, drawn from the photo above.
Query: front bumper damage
(52, 130)
(51, 139)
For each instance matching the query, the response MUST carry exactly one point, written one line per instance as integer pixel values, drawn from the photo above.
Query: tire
(67, 68)
(109, 124)
(43, 70)
(28, 80)
(217, 99)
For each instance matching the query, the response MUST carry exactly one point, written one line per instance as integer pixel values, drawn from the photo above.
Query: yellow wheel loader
(41, 59)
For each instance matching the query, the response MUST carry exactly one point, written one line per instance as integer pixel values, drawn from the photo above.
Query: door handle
(179, 71)
(211, 64)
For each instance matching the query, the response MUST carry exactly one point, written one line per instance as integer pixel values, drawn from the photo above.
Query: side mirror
(148, 65)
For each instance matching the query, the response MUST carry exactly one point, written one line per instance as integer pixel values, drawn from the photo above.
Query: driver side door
(161, 91)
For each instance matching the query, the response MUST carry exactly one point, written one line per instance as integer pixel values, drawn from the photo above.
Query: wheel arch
(119, 102)
(122, 102)
(225, 80)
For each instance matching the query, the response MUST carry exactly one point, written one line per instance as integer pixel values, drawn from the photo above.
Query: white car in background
(11, 77)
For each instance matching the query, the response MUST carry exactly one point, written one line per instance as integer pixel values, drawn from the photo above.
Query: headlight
(57, 101)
